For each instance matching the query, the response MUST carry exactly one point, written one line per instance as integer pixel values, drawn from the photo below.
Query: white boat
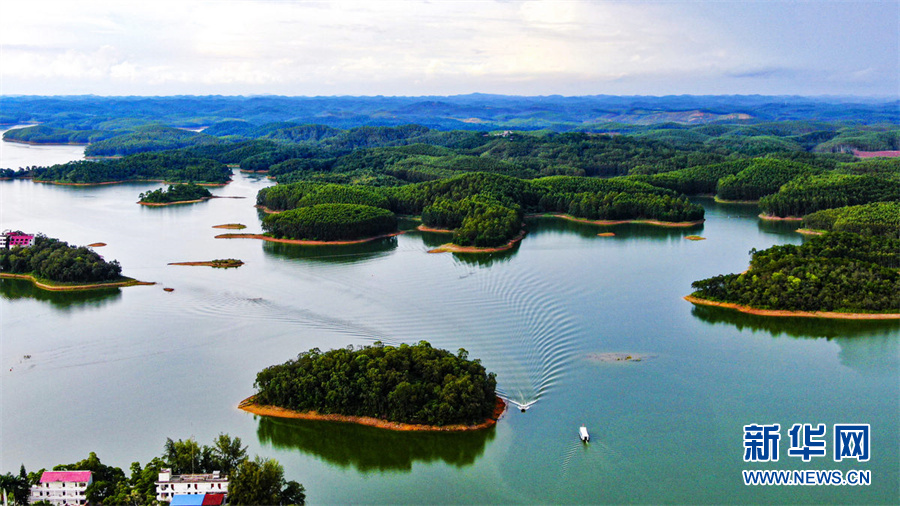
(583, 433)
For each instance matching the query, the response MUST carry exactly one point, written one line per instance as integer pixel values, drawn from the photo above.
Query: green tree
(261, 481)
(227, 453)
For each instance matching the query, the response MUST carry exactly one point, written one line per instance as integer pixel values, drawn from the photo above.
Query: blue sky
(382, 47)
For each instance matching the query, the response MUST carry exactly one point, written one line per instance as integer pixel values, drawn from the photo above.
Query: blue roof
(187, 500)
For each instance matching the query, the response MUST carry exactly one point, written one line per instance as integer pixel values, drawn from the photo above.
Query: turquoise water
(116, 372)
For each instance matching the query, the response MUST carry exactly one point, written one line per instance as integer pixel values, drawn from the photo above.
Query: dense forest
(250, 481)
(175, 193)
(55, 260)
(331, 222)
(837, 271)
(407, 383)
(878, 218)
(809, 194)
(173, 166)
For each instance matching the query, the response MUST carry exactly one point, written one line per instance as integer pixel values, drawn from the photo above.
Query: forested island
(55, 265)
(429, 388)
(251, 481)
(833, 275)
(175, 194)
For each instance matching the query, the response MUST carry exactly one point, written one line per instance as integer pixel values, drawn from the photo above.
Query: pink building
(15, 239)
(62, 487)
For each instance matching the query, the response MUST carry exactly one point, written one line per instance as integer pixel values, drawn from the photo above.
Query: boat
(583, 433)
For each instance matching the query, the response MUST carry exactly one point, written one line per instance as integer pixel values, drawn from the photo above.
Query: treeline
(486, 209)
(809, 194)
(331, 222)
(878, 218)
(175, 193)
(148, 138)
(174, 166)
(250, 481)
(838, 271)
(415, 384)
(42, 134)
(56, 260)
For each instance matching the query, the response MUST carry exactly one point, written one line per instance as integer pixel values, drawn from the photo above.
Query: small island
(834, 275)
(54, 265)
(331, 222)
(231, 226)
(406, 387)
(187, 193)
(221, 263)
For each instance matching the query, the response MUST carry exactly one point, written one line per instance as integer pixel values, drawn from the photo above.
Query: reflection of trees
(14, 289)
(371, 449)
(552, 225)
(340, 254)
(866, 345)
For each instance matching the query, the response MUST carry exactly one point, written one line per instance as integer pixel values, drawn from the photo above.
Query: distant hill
(463, 112)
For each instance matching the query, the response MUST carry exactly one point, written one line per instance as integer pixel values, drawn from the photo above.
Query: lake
(117, 372)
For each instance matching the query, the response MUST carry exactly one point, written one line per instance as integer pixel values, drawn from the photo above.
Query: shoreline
(306, 242)
(175, 203)
(455, 248)
(724, 201)
(74, 288)
(250, 406)
(423, 228)
(772, 217)
(32, 143)
(801, 314)
(60, 183)
(673, 224)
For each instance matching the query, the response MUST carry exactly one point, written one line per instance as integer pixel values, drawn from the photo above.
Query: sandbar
(305, 242)
(622, 222)
(96, 245)
(456, 248)
(772, 217)
(606, 234)
(423, 228)
(250, 406)
(694, 238)
(233, 226)
(220, 264)
(72, 288)
(802, 314)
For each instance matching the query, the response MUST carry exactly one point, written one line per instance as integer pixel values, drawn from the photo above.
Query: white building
(189, 484)
(62, 487)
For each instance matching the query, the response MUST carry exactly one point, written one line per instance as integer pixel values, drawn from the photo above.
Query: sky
(449, 47)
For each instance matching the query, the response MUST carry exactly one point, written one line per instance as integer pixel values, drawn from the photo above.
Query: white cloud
(389, 46)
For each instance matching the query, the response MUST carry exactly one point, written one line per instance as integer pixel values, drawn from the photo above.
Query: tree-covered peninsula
(837, 272)
(415, 384)
(54, 260)
(188, 192)
(174, 166)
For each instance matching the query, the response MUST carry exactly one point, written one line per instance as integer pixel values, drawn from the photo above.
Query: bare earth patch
(695, 238)
(221, 264)
(455, 248)
(233, 226)
(606, 234)
(611, 357)
(96, 245)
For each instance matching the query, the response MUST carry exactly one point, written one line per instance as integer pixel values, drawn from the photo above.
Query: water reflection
(368, 449)
(867, 346)
(338, 254)
(15, 289)
(552, 225)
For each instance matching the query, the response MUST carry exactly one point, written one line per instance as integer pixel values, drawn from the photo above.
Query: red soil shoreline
(622, 222)
(772, 217)
(305, 242)
(423, 228)
(250, 406)
(802, 314)
(73, 288)
(455, 248)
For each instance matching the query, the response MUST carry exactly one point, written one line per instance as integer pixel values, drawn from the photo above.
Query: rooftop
(65, 476)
